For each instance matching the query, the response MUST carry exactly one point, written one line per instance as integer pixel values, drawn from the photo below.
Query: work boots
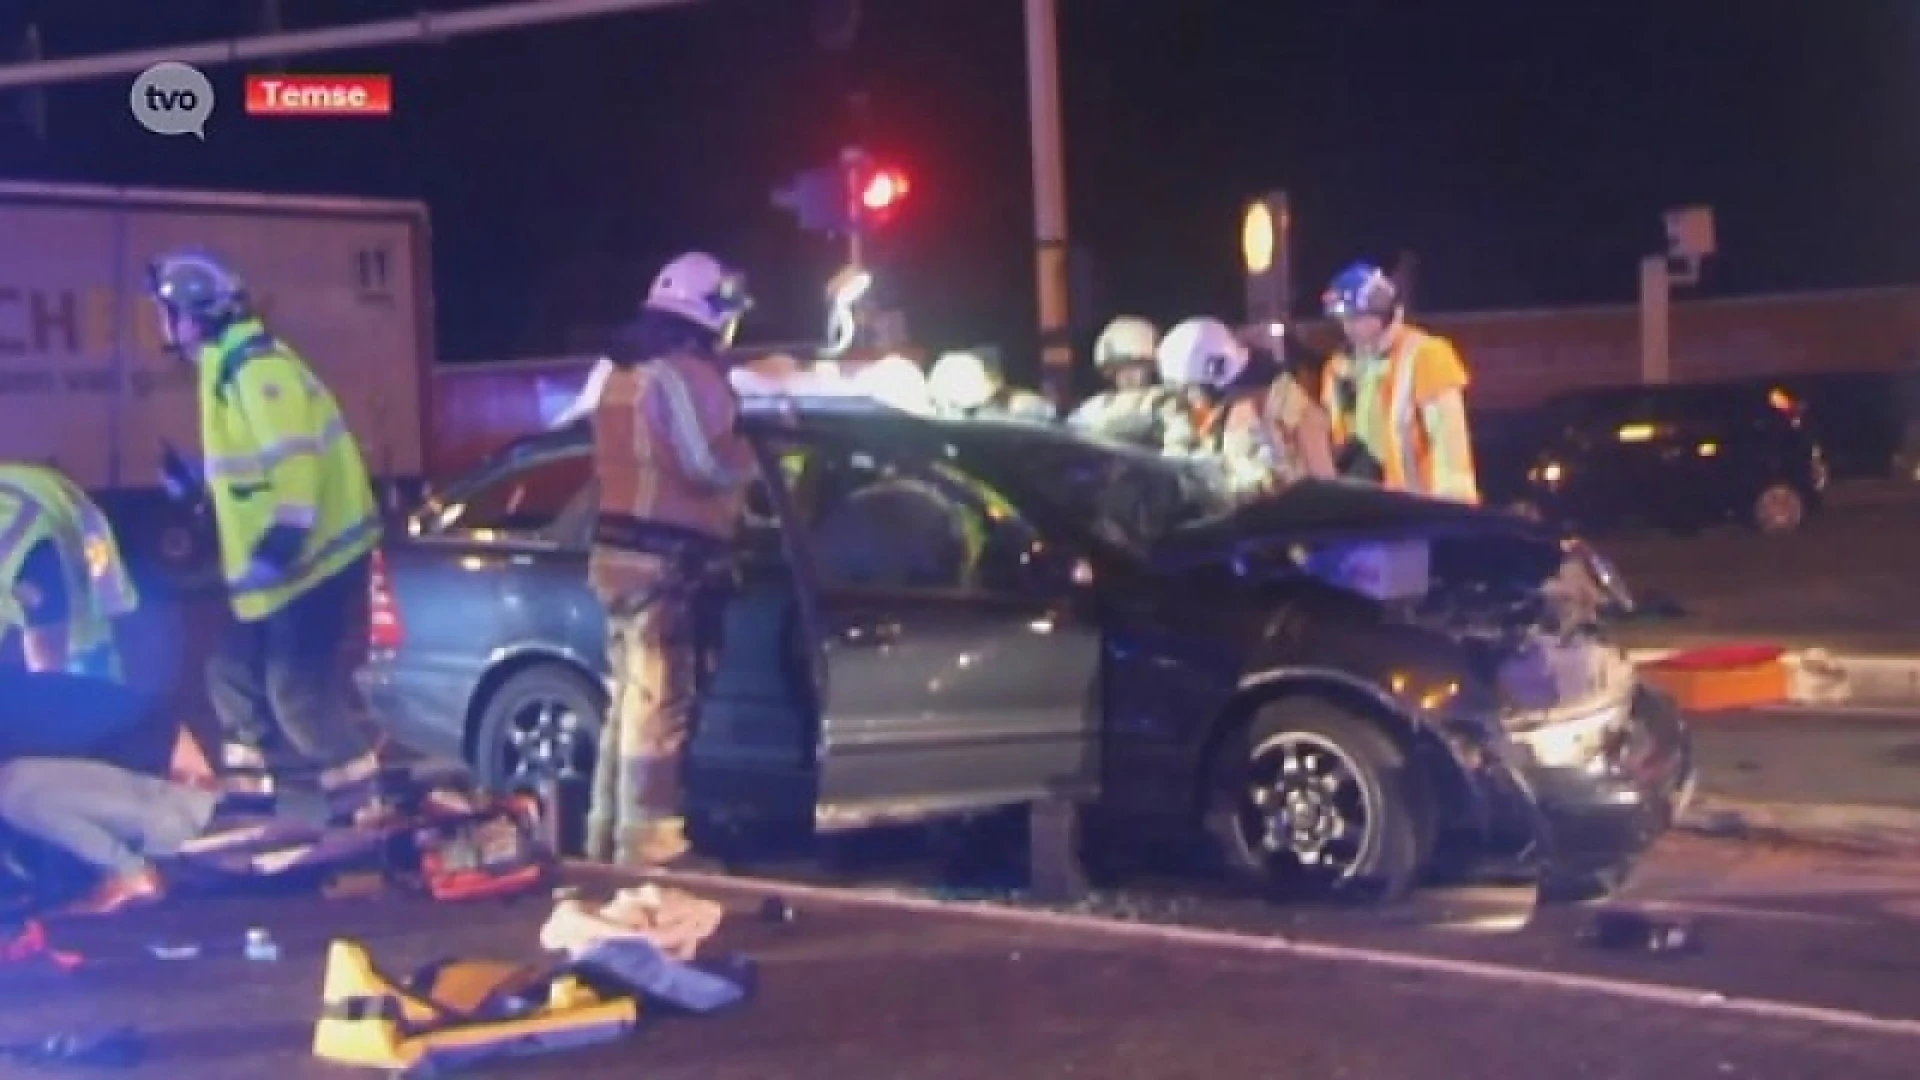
(246, 783)
(660, 844)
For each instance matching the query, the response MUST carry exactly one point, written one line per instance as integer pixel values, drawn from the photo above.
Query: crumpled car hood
(1318, 513)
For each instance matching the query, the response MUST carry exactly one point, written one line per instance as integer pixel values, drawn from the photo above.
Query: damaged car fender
(1418, 686)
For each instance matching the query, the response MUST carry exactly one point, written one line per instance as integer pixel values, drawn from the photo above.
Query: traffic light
(881, 190)
(853, 197)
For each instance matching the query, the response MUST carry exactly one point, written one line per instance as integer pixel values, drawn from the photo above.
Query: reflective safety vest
(36, 504)
(278, 452)
(1382, 409)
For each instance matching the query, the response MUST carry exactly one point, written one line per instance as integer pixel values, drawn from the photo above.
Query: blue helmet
(1361, 289)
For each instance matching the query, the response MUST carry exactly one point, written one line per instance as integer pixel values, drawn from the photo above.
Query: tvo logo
(172, 99)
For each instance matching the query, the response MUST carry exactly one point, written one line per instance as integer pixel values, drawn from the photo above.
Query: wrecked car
(1335, 688)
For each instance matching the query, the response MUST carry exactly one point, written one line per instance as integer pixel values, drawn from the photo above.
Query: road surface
(1811, 756)
(855, 991)
(1846, 579)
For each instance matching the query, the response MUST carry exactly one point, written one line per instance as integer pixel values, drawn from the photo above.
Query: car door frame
(848, 796)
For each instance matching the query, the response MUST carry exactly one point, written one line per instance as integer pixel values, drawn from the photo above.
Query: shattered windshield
(1129, 497)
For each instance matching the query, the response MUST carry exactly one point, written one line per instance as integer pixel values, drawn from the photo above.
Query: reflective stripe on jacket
(665, 452)
(278, 452)
(38, 503)
(1387, 414)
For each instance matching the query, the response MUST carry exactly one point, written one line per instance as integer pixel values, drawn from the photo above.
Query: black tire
(1399, 832)
(517, 703)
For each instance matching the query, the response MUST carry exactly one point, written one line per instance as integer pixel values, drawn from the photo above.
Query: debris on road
(1622, 930)
(29, 944)
(260, 946)
(174, 950)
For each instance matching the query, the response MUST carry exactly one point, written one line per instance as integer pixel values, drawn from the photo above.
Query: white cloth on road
(671, 920)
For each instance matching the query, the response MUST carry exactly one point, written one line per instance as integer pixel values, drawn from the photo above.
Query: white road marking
(1232, 941)
(1737, 911)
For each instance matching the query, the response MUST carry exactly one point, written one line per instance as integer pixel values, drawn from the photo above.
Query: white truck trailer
(86, 387)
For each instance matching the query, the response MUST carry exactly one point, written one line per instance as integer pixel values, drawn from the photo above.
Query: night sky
(1523, 150)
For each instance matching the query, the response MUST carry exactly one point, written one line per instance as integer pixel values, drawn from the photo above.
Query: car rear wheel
(540, 726)
(1313, 801)
(1779, 508)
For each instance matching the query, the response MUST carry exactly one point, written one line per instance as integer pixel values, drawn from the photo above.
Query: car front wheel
(1311, 800)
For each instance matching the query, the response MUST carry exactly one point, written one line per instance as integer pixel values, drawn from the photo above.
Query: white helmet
(1128, 339)
(962, 380)
(697, 288)
(1201, 352)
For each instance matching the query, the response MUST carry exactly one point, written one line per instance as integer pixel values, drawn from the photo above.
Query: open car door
(751, 771)
(901, 646)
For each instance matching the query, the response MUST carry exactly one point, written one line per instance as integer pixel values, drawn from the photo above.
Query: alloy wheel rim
(1306, 813)
(547, 740)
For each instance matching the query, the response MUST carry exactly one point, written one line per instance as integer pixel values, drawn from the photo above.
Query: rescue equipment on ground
(458, 1013)
(492, 851)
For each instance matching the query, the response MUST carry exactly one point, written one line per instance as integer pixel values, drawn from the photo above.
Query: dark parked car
(934, 619)
(1677, 456)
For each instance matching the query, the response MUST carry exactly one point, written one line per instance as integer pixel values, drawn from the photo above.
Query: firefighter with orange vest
(1397, 396)
(673, 472)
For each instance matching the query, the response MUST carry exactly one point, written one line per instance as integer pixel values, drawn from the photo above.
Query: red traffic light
(883, 189)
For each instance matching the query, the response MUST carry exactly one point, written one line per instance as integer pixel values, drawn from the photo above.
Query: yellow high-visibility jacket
(278, 452)
(39, 503)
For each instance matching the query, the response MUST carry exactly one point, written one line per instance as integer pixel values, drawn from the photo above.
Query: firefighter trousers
(291, 673)
(637, 815)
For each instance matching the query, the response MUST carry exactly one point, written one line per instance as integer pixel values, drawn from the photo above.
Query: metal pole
(1656, 347)
(1049, 197)
(424, 27)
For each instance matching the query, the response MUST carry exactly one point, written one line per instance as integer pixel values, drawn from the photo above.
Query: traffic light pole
(1049, 197)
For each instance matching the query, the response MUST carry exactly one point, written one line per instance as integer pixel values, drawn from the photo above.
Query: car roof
(842, 415)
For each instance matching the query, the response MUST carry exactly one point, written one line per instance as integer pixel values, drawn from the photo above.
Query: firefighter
(1221, 420)
(296, 520)
(1298, 424)
(1397, 397)
(1136, 409)
(66, 582)
(673, 474)
(970, 385)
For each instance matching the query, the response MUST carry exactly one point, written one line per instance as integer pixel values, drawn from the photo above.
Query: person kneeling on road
(62, 581)
(297, 525)
(112, 819)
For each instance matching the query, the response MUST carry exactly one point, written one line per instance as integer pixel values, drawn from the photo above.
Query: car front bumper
(1598, 810)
